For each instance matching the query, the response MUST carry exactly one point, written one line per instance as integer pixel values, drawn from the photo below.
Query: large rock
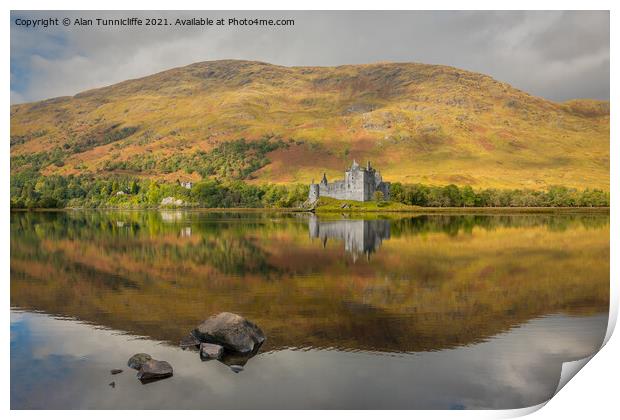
(171, 201)
(232, 331)
(137, 360)
(154, 369)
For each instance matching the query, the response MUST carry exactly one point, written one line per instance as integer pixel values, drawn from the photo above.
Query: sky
(554, 54)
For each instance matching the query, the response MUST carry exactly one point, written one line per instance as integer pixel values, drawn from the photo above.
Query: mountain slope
(415, 122)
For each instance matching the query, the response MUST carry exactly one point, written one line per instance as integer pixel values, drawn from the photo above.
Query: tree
(153, 194)
(397, 192)
(469, 196)
(418, 195)
(453, 195)
(207, 194)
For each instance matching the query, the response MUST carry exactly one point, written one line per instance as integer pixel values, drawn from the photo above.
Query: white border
(592, 394)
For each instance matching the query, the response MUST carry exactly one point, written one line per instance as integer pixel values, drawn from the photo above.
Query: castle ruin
(359, 184)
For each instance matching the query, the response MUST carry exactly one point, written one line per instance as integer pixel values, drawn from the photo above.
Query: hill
(264, 123)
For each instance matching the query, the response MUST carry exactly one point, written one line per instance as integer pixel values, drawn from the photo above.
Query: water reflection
(60, 364)
(434, 284)
(360, 237)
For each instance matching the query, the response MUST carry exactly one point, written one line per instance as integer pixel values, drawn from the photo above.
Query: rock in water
(154, 369)
(137, 360)
(236, 359)
(236, 368)
(232, 331)
(189, 342)
(211, 351)
(116, 371)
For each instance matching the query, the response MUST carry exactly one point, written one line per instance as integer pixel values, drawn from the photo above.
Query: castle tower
(313, 194)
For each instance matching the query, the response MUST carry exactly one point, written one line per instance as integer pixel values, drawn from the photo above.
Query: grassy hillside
(265, 123)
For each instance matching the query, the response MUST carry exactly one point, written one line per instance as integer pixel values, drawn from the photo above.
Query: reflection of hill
(438, 282)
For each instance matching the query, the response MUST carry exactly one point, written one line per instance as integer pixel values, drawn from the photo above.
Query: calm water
(446, 312)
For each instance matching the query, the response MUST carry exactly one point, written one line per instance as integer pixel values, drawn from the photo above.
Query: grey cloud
(576, 34)
(554, 54)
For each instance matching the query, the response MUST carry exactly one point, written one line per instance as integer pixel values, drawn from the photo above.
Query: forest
(29, 189)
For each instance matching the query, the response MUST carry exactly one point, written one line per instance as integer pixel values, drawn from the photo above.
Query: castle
(359, 184)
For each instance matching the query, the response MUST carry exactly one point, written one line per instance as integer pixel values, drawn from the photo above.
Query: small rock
(230, 358)
(154, 369)
(236, 368)
(189, 341)
(211, 351)
(112, 384)
(137, 360)
(116, 371)
(232, 331)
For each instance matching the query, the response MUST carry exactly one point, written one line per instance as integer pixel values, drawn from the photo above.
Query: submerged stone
(189, 342)
(154, 369)
(211, 351)
(232, 331)
(137, 360)
(236, 368)
(116, 371)
(230, 358)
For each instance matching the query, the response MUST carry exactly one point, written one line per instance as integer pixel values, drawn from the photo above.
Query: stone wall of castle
(359, 184)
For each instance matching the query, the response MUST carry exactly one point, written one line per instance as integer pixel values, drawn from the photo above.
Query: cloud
(17, 97)
(554, 54)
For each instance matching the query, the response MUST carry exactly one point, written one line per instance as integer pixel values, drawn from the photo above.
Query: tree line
(29, 189)
(455, 196)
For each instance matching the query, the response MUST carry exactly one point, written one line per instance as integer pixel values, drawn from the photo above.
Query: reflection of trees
(237, 256)
(125, 233)
(423, 290)
(127, 224)
(454, 224)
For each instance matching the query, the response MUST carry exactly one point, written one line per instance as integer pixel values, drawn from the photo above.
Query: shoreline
(412, 210)
(479, 210)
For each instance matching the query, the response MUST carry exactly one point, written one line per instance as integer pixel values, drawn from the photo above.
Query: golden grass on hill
(415, 122)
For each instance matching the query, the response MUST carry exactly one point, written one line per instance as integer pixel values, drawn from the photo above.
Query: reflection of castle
(359, 236)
